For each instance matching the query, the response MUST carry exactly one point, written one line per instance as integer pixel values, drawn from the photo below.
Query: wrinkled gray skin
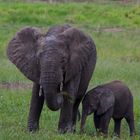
(114, 100)
(60, 63)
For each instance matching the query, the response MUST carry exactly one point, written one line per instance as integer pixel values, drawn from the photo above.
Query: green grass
(45, 14)
(92, 16)
(118, 58)
(13, 120)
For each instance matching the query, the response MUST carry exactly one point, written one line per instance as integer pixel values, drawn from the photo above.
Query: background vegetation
(115, 28)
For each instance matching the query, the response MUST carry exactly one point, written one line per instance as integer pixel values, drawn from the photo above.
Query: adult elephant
(60, 63)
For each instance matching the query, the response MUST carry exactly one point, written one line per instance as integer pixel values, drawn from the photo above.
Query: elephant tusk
(61, 86)
(40, 92)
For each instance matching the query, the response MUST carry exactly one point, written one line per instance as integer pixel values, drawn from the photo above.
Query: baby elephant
(114, 100)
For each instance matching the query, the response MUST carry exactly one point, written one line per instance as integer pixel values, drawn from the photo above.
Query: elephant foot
(82, 131)
(102, 134)
(132, 134)
(66, 129)
(32, 128)
(116, 135)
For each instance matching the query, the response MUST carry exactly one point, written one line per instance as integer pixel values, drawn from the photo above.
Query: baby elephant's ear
(106, 100)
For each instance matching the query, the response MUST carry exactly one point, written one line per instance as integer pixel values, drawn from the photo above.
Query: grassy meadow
(114, 27)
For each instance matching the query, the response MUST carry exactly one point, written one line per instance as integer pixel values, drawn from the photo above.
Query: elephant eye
(63, 60)
(91, 105)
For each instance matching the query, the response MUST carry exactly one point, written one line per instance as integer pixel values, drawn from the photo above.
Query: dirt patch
(112, 30)
(16, 85)
(130, 59)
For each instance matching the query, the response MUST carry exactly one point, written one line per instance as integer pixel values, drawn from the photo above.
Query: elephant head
(98, 100)
(105, 100)
(51, 59)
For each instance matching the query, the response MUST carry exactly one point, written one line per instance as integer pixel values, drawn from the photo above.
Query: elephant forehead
(49, 38)
(52, 44)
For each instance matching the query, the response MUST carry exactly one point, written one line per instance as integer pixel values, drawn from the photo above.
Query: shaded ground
(16, 85)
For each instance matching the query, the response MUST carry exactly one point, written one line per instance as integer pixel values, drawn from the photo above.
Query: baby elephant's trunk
(78, 116)
(83, 120)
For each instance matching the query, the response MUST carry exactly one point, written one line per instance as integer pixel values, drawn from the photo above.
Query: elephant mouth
(54, 103)
(53, 97)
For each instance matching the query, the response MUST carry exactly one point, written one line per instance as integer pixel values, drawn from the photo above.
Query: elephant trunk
(83, 120)
(51, 88)
(53, 99)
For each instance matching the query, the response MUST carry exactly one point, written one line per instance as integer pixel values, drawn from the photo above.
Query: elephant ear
(106, 101)
(80, 48)
(22, 50)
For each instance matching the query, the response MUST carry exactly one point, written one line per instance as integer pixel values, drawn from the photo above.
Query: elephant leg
(131, 125)
(83, 84)
(104, 121)
(35, 108)
(96, 122)
(76, 114)
(68, 112)
(65, 120)
(130, 119)
(117, 127)
(103, 128)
